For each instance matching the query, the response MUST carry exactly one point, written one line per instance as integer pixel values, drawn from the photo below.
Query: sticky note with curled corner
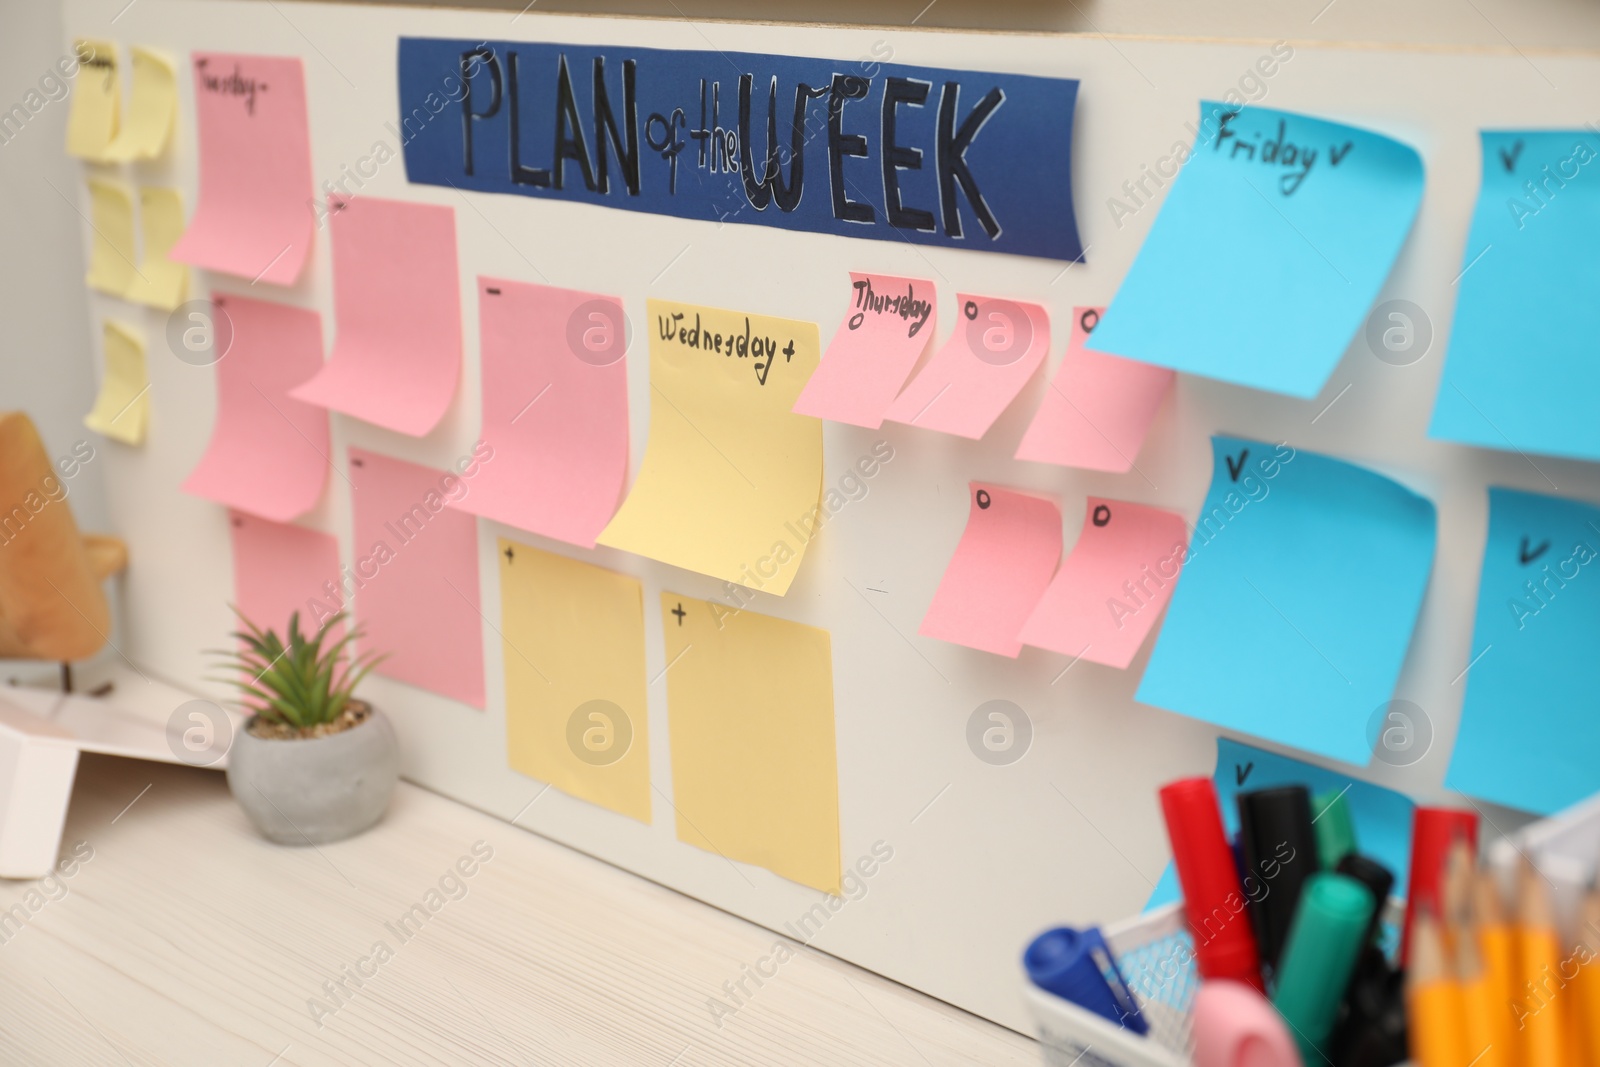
(1530, 722)
(1001, 567)
(122, 407)
(152, 109)
(268, 453)
(1525, 312)
(731, 477)
(111, 267)
(996, 347)
(418, 560)
(555, 410)
(1098, 409)
(1312, 212)
(279, 569)
(161, 282)
(1113, 585)
(253, 219)
(96, 112)
(397, 308)
(1299, 594)
(577, 716)
(757, 787)
(889, 323)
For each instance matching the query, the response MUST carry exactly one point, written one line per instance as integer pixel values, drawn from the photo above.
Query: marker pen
(1280, 849)
(1214, 903)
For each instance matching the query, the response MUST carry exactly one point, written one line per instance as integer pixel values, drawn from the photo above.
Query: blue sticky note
(1530, 726)
(1521, 373)
(1273, 242)
(1296, 601)
(1382, 817)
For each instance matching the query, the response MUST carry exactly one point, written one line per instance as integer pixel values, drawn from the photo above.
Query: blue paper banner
(854, 148)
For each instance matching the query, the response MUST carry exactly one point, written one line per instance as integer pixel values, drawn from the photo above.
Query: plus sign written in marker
(679, 612)
(510, 558)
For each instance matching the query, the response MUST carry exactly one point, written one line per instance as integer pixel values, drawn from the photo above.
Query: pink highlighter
(1235, 1026)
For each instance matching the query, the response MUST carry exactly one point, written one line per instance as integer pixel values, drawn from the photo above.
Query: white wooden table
(180, 937)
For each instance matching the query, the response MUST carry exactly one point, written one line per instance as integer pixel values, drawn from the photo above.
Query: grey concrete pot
(307, 792)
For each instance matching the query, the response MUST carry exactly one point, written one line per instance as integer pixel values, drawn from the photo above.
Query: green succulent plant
(301, 683)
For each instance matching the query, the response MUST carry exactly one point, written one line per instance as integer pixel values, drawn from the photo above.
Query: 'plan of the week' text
(855, 148)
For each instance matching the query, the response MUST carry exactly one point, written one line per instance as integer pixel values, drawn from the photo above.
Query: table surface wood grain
(175, 935)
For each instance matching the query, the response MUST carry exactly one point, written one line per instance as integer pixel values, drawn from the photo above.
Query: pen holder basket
(1155, 953)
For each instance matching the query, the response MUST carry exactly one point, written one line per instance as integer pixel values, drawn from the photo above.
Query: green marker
(1336, 831)
(1324, 943)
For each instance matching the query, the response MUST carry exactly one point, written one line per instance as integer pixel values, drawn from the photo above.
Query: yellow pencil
(1543, 1000)
(1497, 942)
(1433, 997)
(1485, 1022)
(1587, 987)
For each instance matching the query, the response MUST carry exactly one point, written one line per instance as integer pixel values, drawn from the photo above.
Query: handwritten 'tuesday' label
(228, 81)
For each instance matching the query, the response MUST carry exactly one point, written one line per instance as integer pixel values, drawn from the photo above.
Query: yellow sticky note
(96, 101)
(111, 218)
(152, 110)
(731, 476)
(161, 282)
(755, 775)
(576, 717)
(123, 407)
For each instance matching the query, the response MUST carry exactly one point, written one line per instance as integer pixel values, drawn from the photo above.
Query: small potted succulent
(313, 763)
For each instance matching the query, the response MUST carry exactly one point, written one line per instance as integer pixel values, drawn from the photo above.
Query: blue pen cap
(1078, 967)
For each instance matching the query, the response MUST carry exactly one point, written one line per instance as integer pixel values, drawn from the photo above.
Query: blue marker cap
(1079, 968)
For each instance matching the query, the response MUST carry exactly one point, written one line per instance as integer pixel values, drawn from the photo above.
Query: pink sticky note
(555, 410)
(255, 214)
(416, 574)
(1113, 585)
(397, 305)
(1098, 409)
(279, 569)
(268, 453)
(996, 347)
(885, 329)
(1002, 565)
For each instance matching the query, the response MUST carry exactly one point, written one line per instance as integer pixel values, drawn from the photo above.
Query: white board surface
(984, 856)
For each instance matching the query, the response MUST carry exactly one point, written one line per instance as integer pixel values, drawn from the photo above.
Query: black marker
(1280, 849)
(1376, 877)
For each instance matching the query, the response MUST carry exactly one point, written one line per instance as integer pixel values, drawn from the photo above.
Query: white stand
(41, 734)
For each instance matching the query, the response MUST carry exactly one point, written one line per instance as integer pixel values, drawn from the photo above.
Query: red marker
(1433, 831)
(1214, 902)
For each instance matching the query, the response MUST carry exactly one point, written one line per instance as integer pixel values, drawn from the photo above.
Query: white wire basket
(1156, 956)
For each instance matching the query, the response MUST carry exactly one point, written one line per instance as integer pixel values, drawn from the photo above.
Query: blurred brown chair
(52, 604)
